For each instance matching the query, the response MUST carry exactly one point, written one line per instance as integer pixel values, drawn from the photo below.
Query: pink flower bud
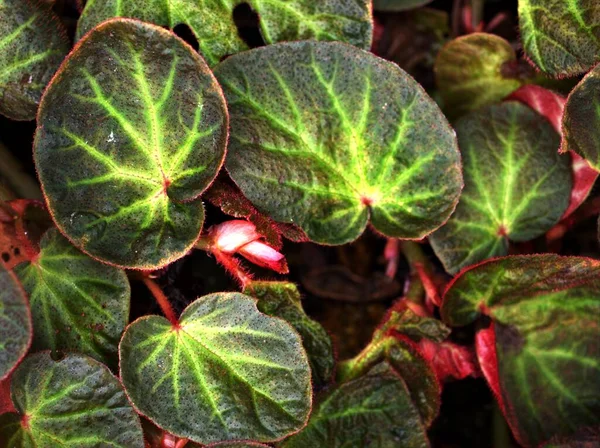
(263, 255)
(229, 236)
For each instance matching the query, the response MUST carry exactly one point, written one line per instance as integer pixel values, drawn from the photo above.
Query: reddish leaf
(6, 404)
(485, 347)
(449, 360)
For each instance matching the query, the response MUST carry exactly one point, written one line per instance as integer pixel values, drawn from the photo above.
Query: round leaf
(74, 402)
(32, 45)
(561, 37)
(78, 304)
(226, 372)
(15, 323)
(131, 131)
(324, 135)
(213, 24)
(545, 311)
(517, 186)
(581, 119)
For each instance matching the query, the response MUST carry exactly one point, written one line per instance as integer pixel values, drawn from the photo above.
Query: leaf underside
(74, 402)
(517, 186)
(217, 35)
(78, 304)
(228, 373)
(131, 132)
(324, 135)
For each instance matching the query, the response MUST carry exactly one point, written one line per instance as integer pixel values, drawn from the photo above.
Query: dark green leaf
(78, 304)
(227, 372)
(324, 135)
(75, 402)
(131, 132)
(398, 5)
(32, 44)
(15, 322)
(213, 25)
(517, 186)
(545, 310)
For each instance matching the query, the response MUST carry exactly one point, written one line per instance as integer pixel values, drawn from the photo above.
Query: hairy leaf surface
(398, 5)
(562, 37)
(131, 132)
(213, 25)
(75, 402)
(15, 322)
(324, 135)
(228, 372)
(78, 304)
(545, 311)
(32, 45)
(517, 186)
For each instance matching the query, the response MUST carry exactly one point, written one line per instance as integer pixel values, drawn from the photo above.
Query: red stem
(162, 300)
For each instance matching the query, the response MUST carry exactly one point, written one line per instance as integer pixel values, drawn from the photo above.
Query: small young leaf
(374, 410)
(474, 71)
(561, 37)
(581, 119)
(213, 25)
(545, 311)
(78, 304)
(398, 5)
(282, 299)
(32, 45)
(324, 135)
(517, 186)
(225, 372)
(15, 323)
(73, 402)
(131, 132)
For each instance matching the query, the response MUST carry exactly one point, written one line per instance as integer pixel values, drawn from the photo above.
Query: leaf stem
(162, 300)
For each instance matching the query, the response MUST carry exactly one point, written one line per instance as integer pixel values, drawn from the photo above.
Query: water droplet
(111, 138)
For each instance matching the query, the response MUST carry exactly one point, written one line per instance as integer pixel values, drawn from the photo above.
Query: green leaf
(15, 322)
(131, 132)
(517, 186)
(32, 45)
(474, 71)
(75, 402)
(237, 445)
(581, 119)
(217, 35)
(226, 372)
(324, 135)
(78, 304)
(282, 299)
(398, 5)
(374, 410)
(545, 311)
(561, 37)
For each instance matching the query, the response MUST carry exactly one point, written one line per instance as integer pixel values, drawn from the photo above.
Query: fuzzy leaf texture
(130, 133)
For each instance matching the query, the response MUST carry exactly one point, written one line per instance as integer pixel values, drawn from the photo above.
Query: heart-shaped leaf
(398, 5)
(32, 45)
(545, 311)
(131, 132)
(78, 304)
(282, 299)
(213, 22)
(74, 402)
(561, 37)
(517, 186)
(581, 119)
(474, 71)
(374, 410)
(225, 372)
(324, 135)
(15, 323)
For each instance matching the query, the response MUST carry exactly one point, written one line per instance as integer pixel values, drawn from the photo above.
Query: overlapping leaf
(581, 120)
(131, 131)
(561, 37)
(226, 372)
(517, 186)
(15, 322)
(398, 5)
(545, 311)
(324, 135)
(74, 402)
(32, 45)
(213, 25)
(374, 410)
(474, 71)
(78, 304)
